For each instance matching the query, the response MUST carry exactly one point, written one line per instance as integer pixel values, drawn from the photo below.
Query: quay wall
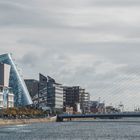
(26, 121)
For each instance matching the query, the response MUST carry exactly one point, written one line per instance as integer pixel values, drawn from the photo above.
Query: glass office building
(21, 94)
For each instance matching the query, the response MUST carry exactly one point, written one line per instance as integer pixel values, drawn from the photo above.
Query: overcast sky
(91, 43)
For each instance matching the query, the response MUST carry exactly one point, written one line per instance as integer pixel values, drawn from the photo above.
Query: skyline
(93, 44)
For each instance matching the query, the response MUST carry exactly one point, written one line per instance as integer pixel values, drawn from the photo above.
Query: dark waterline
(79, 130)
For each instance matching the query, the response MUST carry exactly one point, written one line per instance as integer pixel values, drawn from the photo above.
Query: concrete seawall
(25, 121)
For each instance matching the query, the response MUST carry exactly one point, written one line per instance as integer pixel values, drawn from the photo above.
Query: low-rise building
(93, 106)
(69, 110)
(111, 109)
(10, 100)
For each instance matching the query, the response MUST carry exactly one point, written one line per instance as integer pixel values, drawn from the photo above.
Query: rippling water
(85, 130)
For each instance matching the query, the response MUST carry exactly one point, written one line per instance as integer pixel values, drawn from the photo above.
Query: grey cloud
(131, 70)
(117, 2)
(14, 15)
(30, 60)
(94, 44)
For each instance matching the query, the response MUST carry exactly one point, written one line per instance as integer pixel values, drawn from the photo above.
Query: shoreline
(4, 122)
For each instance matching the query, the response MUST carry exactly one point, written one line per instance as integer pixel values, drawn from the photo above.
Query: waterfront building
(96, 107)
(84, 98)
(6, 97)
(43, 98)
(58, 89)
(46, 93)
(71, 97)
(4, 74)
(93, 106)
(53, 91)
(6, 94)
(76, 95)
(10, 99)
(111, 109)
(101, 108)
(69, 110)
(16, 82)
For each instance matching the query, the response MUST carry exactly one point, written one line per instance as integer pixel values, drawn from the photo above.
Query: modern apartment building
(71, 97)
(53, 91)
(76, 95)
(47, 93)
(84, 98)
(58, 89)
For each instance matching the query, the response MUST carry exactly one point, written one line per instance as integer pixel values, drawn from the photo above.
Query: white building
(58, 96)
(6, 97)
(10, 100)
(1, 99)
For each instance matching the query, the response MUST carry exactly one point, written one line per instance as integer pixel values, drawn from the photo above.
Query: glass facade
(21, 94)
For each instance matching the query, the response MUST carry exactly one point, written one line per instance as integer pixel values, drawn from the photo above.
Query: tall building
(84, 98)
(58, 90)
(21, 94)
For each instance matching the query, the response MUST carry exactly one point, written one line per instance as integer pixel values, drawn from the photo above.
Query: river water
(82, 130)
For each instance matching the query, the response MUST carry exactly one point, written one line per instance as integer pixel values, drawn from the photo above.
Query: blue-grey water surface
(82, 130)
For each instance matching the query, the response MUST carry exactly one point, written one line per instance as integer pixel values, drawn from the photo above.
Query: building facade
(6, 94)
(58, 89)
(4, 74)
(16, 82)
(52, 91)
(74, 96)
(43, 98)
(46, 93)
(96, 107)
(6, 97)
(32, 86)
(71, 97)
(84, 98)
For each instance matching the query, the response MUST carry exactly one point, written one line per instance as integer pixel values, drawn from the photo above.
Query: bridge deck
(111, 115)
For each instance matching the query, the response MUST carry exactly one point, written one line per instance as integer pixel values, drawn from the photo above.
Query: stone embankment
(26, 121)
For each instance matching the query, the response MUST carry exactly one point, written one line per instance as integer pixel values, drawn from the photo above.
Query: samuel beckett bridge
(61, 117)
